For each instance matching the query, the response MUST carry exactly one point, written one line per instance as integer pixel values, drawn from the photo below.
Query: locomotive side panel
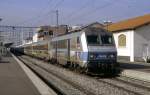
(68, 48)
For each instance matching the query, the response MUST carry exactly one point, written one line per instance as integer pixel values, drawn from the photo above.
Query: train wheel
(67, 64)
(115, 70)
(79, 69)
(76, 65)
(87, 70)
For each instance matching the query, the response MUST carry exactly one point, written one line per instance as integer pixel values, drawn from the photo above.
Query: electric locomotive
(90, 48)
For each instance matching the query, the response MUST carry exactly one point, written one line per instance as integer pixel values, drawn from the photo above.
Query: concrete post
(132, 46)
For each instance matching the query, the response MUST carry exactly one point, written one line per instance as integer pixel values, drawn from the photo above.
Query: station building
(47, 32)
(132, 38)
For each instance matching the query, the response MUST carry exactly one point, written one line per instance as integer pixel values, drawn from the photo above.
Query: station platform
(13, 80)
(139, 66)
(137, 70)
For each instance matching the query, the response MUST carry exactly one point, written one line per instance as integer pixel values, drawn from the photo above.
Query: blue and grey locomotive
(89, 48)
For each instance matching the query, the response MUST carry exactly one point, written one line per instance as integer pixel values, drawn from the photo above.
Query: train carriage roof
(36, 43)
(41, 42)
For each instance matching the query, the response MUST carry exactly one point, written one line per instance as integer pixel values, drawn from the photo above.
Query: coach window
(73, 43)
(53, 44)
(78, 40)
(62, 44)
(45, 33)
(78, 43)
(122, 40)
(50, 32)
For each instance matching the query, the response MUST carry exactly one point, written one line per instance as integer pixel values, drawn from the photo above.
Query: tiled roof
(132, 23)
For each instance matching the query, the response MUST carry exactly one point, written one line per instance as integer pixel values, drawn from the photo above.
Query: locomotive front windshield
(106, 39)
(93, 39)
(100, 39)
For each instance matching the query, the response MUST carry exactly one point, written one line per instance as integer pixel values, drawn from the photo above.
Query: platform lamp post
(107, 23)
(0, 19)
(0, 42)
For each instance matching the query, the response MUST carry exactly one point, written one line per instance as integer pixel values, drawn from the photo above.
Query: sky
(71, 12)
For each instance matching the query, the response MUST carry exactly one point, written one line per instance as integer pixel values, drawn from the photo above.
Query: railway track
(75, 90)
(91, 85)
(40, 76)
(121, 87)
(134, 82)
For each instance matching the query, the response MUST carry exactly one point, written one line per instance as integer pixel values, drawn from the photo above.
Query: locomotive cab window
(93, 39)
(100, 39)
(107, 40)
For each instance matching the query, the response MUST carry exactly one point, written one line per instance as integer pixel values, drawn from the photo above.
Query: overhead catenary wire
(52, 11)
(76, 11)
(82, 13)
(90, 14)
(122, 15)
(40, 17)
(37, 16)
(92, 11)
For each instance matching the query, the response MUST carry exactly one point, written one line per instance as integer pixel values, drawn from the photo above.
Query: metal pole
(107, 23)
(57, 18)
(0, 19)
(56, 30)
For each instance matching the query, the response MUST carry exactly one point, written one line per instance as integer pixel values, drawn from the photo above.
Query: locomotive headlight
(92, 56)
(111, 56)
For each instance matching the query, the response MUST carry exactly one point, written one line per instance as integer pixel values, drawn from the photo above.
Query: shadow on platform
(3, 62)
(133, 66)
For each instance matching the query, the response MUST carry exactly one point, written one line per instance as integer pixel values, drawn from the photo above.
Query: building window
(122, 40)
(50, 32)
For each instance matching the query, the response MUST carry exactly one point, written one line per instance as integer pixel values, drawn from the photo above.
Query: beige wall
(142, 41)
